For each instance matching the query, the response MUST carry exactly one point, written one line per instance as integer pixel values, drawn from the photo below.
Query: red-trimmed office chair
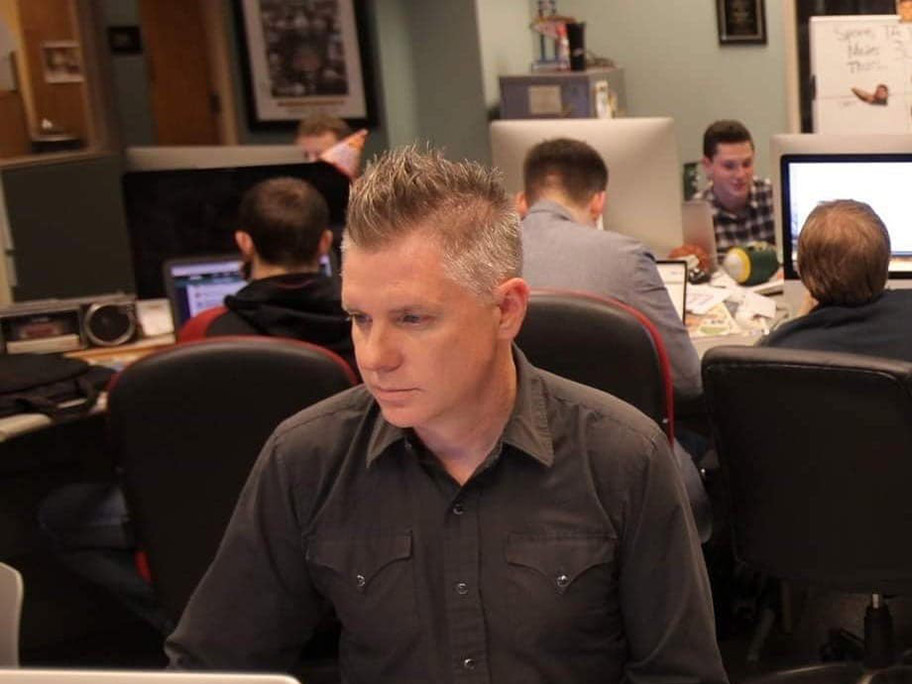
(188, 423)
(816, 450)
(603, 343)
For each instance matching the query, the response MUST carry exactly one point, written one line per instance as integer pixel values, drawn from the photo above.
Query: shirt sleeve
(255, 607)
(649, 295)
(664, 590)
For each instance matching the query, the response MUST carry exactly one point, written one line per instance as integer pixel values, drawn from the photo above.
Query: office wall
(130, 78)
(438, 65)
(674, 66)
(505, 42)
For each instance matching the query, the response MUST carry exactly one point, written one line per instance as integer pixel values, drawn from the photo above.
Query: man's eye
(359, 319)
(411, 319)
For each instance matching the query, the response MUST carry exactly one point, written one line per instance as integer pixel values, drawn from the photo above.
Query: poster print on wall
(741, 22)
(302, 57)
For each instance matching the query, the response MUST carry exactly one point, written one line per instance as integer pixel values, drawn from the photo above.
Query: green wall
(674, 66)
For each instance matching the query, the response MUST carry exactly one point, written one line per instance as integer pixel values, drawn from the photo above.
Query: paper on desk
(154, 317)
(757, 305)
(702, 298)
(717, 321)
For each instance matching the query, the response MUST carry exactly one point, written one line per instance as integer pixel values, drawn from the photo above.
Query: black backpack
(39, 383)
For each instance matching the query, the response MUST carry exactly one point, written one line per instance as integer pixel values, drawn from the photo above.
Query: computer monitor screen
(882, 180)
(183, 201)
(644, 176)
(674, 275)
(194, 284)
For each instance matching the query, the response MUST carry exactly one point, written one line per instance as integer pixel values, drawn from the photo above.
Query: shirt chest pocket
(561, 585)
(370, 583)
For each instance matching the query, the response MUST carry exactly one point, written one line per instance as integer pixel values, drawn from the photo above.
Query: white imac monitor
(876, 169)
(644, 175)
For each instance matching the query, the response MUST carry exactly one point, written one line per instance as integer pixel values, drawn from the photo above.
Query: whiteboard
(861, 53)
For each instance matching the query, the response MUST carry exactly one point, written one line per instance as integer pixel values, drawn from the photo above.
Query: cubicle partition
(67, 233)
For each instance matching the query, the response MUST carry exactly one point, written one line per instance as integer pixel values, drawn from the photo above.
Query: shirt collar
(546, 206)
(752, 201)
(526, 430)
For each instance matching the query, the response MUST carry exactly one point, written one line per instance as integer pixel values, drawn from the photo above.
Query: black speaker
(576, 37)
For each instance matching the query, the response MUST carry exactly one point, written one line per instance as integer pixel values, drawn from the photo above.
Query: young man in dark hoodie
(283, 235)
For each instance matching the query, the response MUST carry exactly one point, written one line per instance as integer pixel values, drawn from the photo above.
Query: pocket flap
(359, 558)
(559, 558)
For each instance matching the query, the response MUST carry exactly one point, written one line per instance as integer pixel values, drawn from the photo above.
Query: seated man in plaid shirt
(742, 204)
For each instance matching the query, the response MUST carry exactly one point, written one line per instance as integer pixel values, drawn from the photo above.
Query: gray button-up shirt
(559, 252)
(570, 555)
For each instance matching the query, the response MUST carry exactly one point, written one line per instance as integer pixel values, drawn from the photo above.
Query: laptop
(698, 228)
(674, 274)
(72, 676)
(194, 284)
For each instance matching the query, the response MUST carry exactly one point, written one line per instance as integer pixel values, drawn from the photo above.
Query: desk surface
(115, 357)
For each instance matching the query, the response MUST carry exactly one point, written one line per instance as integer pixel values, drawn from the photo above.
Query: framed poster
(301, 57)
(61, 61)
(741, 22)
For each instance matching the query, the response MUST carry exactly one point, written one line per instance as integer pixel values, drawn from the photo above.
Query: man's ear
(245, 244)
(512, 300)
(597, 205)
(522, 204)
(326, 241)
(707, 167)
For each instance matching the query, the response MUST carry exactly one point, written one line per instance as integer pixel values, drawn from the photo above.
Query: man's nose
(376, 350)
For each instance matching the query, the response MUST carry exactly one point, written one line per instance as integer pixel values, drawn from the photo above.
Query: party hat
(345, 155)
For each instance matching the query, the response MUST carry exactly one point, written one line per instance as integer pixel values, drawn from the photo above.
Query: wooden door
(179, 87)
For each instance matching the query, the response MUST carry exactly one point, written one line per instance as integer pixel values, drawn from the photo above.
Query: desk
(788, 301)
(115, 357)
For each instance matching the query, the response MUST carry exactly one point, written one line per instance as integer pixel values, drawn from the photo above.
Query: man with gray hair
(467, 517)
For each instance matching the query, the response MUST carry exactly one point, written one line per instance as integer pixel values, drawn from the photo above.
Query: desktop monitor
(183, 201)
(644, 176)
(876, 169)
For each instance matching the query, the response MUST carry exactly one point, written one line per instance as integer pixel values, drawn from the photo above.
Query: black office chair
(188, 423)
(816, 449)
(603, 343)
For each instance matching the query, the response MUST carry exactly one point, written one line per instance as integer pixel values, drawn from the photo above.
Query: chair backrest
(11, 593)
(603, 343)
(188, 423)
(816, 449)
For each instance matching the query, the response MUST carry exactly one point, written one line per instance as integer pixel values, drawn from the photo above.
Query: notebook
(194, 284)
(674, 275)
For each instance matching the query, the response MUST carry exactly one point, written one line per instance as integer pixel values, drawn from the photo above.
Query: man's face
(731, 171)
(425, 345)
(315, 145)
(904, 8)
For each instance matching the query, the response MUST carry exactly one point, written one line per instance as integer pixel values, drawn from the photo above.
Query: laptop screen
(674, 275)
(194, 284)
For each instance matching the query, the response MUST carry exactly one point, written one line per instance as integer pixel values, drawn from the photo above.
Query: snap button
(360, 581)
(562, 581)
(469, 663)
(462, 588)
(458, 508)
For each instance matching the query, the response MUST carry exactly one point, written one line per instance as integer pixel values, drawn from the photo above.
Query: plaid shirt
(756, 223)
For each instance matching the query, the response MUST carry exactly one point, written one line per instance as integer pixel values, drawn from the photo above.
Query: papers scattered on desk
(702, 298)
(756, 305)
(714, 323)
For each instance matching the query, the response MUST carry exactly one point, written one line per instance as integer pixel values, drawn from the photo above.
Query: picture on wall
(741, 22)
(302, 57)
(61, 61)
